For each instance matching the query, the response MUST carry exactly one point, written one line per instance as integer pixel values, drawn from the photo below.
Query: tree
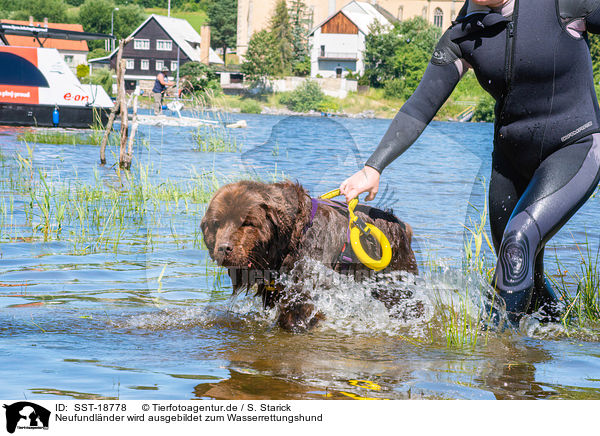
(282, 35)
(198, 77)
(300, 26)
(95, 16)
(54, 10)
(97, 53)
(594, 41)
(222, 17)
(261, 57)
(402, 51)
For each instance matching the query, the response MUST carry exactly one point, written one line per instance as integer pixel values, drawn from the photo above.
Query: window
(173, 65)
(160, 65)
(69, 59)
(400, 13)
(438, 17)
(164, 45)
(145, 64)
(129, 64)
(322, 51)
(424, 12)
(141, 44)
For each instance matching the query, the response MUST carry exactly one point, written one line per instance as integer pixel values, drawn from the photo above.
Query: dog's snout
(225, 248)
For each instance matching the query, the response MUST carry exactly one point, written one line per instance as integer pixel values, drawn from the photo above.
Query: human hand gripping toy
(546, 157)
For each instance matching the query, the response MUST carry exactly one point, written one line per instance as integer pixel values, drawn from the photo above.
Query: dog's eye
(248, 224)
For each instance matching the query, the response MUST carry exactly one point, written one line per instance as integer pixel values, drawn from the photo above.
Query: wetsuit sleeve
(438, 82)
(586, 9)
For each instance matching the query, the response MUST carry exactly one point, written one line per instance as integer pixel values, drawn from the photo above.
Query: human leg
(157, 103)
(558, 188)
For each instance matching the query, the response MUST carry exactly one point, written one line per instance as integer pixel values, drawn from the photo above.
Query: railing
(338, 55)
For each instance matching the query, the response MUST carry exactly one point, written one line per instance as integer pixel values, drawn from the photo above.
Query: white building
(338, 43)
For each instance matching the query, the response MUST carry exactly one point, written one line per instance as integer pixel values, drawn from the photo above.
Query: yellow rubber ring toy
(367, 228)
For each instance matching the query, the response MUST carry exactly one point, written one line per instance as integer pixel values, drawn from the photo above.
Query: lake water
(132, 308)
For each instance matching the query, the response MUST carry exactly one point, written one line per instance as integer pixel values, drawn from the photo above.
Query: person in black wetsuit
(532, 56)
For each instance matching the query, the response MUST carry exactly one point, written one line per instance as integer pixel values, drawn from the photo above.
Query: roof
(362, 14)
(59, 44)
(184, 35)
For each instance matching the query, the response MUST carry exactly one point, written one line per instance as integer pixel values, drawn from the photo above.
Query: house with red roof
(73, 52)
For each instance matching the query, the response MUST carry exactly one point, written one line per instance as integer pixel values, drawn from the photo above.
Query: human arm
(441, 76)
(589, 10)
(162, 78)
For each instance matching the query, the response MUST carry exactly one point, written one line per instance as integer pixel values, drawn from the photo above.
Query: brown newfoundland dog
(260, 232)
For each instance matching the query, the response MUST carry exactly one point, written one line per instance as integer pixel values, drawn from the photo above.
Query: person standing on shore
(160, 86)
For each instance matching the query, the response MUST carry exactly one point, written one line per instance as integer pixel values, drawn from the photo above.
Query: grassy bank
(373, 102)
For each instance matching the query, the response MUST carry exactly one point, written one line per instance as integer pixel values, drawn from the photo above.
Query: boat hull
(15, 114)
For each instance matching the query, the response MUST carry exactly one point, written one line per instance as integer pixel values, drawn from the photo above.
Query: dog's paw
(298, 317)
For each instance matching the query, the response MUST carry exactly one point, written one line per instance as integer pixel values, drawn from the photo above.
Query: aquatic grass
(461, 324)
(217, 139)
(474, 257)
(63, 137)
(582, 308)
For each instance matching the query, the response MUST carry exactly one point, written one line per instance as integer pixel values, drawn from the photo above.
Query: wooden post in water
(120, 105)
(122, 97)
(134, 124)
(115, 108)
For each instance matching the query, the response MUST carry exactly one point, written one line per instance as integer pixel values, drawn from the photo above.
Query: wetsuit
(534, 60)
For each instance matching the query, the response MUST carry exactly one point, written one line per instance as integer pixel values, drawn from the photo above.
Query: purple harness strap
(313, 211)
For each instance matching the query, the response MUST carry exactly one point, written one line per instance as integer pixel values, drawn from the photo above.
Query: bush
(250, 106)
(102, 77)
(302, 68)
(394, 88)
(82, 71)
(198, 78)
(328, 104)
(97, 53)
(484, 111)
(363, 80)
(305, 98)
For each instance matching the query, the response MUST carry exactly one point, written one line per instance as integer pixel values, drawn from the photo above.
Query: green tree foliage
(102, 77)
(95, 16)
(97, 53)
(281, 30)
(300, 24)
(198, 77)
(54, 10)
(594, 41)
(261, 58)
(402, 51)
(484, 111)
(222, 16)
(283, 49)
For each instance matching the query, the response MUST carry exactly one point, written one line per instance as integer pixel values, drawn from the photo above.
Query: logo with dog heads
(26, 415)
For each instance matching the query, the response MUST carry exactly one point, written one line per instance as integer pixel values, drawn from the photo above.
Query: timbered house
(338, 43)
(161, 42)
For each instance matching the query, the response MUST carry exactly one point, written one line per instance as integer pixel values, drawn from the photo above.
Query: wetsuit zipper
(510, 33)
(509, 58)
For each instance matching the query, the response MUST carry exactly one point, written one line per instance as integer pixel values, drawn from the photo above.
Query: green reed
(217, 139)
(582, 308)
(63, 137)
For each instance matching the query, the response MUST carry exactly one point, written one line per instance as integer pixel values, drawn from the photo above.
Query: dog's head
(250, 225)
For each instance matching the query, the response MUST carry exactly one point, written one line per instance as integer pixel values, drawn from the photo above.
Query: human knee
(515, 269)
